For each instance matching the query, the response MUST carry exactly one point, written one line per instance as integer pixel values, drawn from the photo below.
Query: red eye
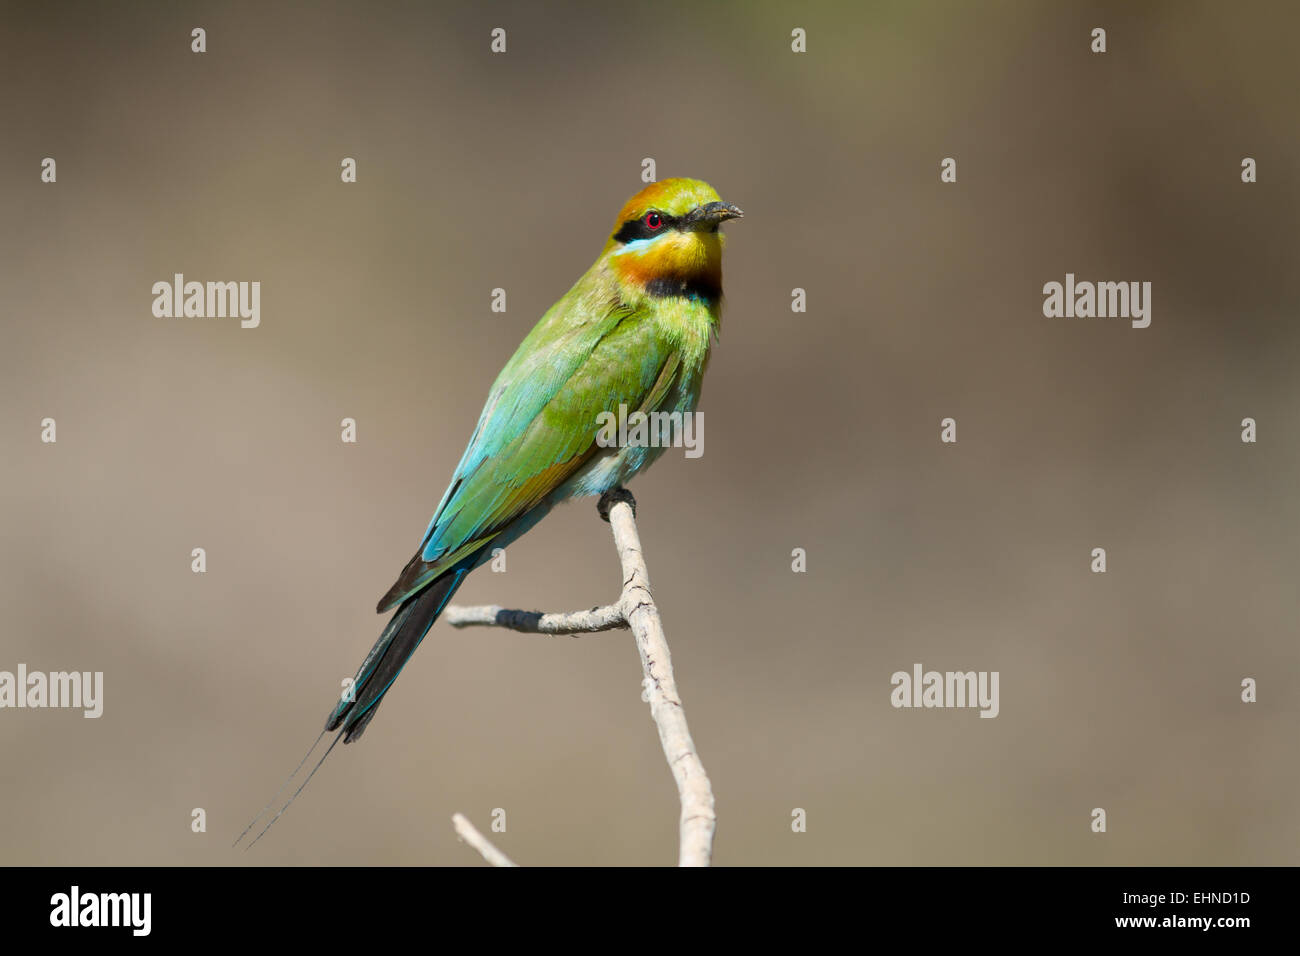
(653, 220)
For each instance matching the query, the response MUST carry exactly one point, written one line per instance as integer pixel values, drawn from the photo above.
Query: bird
(634, 332)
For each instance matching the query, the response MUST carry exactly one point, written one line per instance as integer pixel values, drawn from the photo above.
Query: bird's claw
(613, 497)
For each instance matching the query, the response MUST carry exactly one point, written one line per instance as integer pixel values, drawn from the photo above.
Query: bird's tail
(405, 631)
(357, 706)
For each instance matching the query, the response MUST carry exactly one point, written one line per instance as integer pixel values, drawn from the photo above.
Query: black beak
(714, 213)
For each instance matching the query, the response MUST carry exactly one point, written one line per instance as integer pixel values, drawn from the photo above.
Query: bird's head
(666, 239)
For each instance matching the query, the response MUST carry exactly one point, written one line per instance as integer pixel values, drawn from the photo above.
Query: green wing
(539, 425)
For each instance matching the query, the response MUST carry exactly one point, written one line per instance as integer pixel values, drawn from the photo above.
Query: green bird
(635, 331)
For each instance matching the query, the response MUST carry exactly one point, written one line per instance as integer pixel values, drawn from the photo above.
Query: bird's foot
(613, 497)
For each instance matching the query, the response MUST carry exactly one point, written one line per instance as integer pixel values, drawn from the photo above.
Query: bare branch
(466, 831)
(636, 609)
(575, 623)
(698, 820)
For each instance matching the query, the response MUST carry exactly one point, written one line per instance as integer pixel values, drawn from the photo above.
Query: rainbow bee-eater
(635, 331)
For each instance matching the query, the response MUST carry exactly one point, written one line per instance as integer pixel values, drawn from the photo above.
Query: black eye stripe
(636, 228)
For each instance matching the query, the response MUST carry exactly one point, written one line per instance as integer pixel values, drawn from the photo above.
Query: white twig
(466, 831)
(636, 609)
(697, 821)
(576, 623)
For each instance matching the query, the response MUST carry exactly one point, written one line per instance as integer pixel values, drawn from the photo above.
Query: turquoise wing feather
(539, 426)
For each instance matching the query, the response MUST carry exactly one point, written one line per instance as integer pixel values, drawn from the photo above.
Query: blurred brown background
(924, 301)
